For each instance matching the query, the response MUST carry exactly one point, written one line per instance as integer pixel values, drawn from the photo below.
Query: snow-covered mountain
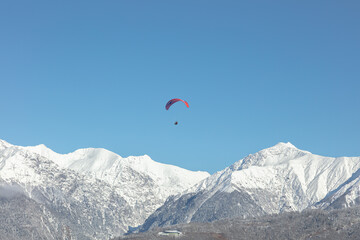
(346, 195)
(142, 182)
(88, 206)
(96, 194)
(277, 179)
(93, 193)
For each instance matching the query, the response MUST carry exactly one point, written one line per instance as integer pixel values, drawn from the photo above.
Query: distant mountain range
(91, 193)
(96, 194)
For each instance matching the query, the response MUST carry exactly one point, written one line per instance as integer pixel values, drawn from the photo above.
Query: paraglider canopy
(172, 101)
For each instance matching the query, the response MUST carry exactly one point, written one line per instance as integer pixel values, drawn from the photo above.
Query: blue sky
(77, 74)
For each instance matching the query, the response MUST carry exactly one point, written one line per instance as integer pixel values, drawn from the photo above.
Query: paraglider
(171, 102)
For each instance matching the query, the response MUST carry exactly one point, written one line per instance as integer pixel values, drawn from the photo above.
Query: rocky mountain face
(142, 182)
(22, 217)
(275, 180)
(88, 194)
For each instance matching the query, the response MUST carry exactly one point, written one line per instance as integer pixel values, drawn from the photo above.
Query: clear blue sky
(77, 74)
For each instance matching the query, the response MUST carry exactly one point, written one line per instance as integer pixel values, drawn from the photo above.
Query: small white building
(175, 233)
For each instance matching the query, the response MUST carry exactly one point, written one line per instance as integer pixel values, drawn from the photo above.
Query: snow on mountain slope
(290, 170)
(142, 182)
(346, 195)
(89, 207)
(284, 166)
(277, 179)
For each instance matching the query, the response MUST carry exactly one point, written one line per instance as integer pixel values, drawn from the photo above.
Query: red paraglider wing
(172, 101)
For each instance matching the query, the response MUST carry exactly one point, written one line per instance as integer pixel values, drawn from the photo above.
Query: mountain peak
(41, 147)
(278, 154)
(284, 145)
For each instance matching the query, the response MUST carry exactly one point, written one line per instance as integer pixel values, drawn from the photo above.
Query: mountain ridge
(137, 191)
(278, 179)
(110, 191)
